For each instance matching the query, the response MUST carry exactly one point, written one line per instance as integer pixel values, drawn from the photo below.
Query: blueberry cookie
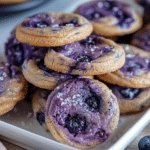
(13, 87)
(16, 51)
(8, 2)
(111, 18)
(136, 71)
(38, 105)
(131, 100)
(41, 76)
(81, 113)
(53, 29)
(142, 38)
(91, 56)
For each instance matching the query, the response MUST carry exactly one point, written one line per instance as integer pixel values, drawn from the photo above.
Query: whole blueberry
(76, 123)
(144, 143)
(93, 101)
(40, 116)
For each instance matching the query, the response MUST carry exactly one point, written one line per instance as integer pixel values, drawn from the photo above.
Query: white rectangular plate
(20, 127)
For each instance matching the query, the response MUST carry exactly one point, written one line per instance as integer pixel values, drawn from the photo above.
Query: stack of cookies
(61, 57)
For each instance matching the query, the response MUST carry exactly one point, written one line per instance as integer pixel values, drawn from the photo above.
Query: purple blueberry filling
(135, 65)
(126, 92)
(101, 9)
(142, 40)
(72, 22)
(76, 108)
(44, 20)
(129, 93)
(40, 116)
(16, 52)
(7, 72)
(48, 72)
(85, 50)
(37, 21)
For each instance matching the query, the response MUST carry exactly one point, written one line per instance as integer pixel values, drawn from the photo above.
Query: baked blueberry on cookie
(41, 76)
(16, 51)
(13, 87)
(81, 113)
(53, 29)
(111, 18)
(131, 100)
(91, 56)
(142, 38)
(38, 105)
(136, 71)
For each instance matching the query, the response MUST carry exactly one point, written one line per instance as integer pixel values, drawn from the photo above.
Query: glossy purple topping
(77, 109)
(40, 116)
(44, 20)
(126, 92)
(142, 39)
(96, 10)
(16, 52)
(85, 50)
(135, 65)
(7, 72)
(129, 93)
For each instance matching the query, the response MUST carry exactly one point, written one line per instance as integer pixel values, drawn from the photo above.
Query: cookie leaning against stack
(133, 80)
(85, 115)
